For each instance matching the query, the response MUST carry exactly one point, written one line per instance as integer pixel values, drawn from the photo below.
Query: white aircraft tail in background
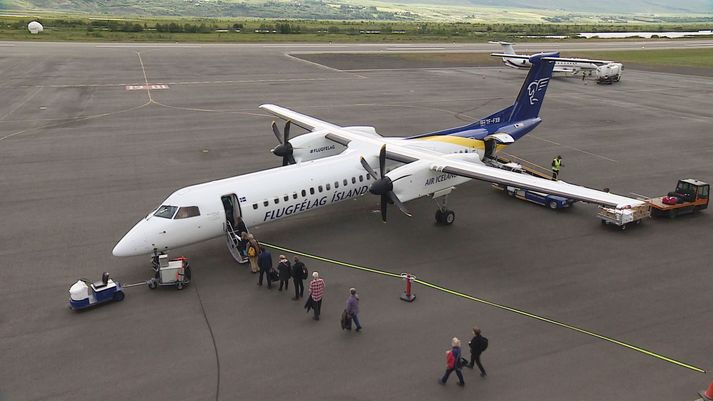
(603, 71)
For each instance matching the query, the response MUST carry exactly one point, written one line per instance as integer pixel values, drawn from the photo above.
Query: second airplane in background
(604, 71)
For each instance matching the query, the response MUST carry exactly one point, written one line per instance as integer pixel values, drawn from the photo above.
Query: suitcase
(669, 200)
(274, 276)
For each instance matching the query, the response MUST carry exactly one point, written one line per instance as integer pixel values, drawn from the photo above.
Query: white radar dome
(35, 27)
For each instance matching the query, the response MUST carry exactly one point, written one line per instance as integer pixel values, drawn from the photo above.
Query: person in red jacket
(453, 362)
(316, 293)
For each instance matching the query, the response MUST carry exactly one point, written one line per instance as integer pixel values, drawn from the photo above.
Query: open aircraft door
(234, 227)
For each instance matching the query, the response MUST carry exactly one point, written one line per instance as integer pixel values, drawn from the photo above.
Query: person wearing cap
(316, 293)
(353, 308)
(299, 273)
(283, 270)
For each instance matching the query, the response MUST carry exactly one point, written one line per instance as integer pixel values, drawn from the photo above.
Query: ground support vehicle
(84, 294)
(543, 199)
(690, 196)
(170, 272)
(623, 218)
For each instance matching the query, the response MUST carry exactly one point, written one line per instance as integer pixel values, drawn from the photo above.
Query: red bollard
(708, 395)
(408, 296)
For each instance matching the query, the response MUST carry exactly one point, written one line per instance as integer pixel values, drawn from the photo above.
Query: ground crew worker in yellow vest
(556, 165)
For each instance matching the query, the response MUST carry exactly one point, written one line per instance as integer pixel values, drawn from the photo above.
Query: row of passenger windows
(318, 189)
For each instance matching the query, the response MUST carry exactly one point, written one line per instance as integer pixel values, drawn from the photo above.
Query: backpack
(305, 273)
(450, 360)
(485, 343)
(251, 251)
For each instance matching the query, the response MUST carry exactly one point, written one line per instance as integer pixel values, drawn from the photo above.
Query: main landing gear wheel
(446, 217)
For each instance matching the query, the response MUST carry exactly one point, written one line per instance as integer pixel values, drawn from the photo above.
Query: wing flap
(524, 181)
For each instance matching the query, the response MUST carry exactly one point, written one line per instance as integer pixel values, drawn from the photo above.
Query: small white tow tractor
(175, 272)
(84, 293)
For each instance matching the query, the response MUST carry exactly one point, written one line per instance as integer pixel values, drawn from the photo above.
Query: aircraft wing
(524, 181)
(304, 121)
(461, 168)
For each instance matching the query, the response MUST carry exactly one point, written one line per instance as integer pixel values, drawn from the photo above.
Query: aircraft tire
(449, 217)
(439, 217)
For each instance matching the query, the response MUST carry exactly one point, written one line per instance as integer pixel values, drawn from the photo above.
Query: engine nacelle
(313, 146)
(419, 180)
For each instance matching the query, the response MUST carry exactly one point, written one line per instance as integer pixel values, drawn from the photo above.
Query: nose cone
(135, 242)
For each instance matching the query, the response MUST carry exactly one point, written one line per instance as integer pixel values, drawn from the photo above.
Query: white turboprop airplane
(333, 163)
(602, 70)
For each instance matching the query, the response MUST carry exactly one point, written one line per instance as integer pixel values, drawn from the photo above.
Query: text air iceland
(439, 178)
(309, 204)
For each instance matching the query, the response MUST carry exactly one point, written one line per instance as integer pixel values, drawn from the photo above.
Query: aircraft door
(234, 227)
(490, 145)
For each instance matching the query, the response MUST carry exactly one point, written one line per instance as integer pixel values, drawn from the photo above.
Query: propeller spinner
(284, 149)
(384, 185)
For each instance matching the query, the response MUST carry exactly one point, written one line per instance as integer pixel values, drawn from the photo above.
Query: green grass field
(700, 58)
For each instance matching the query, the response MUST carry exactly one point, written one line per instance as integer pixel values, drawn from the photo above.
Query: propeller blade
(382, 161)
(368, 168)
(291, 159)
(384, 201)
(276, 131)
(398, 203)
(287, 131)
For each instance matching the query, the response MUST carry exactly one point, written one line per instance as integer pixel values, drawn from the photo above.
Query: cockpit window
(165, 211)
(187, 211)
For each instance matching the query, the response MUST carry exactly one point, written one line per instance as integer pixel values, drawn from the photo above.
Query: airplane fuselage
(197, 213)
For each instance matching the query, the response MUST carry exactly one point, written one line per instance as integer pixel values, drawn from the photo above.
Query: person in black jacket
(264, 260)
(299, 273)
(283, 268)
(477, 345)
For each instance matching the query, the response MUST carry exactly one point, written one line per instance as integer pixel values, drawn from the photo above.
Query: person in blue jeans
(353, 307)
(453, 362)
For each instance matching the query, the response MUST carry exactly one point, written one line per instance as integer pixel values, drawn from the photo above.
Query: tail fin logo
(536, 86)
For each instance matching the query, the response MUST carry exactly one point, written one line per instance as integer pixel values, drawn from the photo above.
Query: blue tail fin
(526, 107)
(532, 93)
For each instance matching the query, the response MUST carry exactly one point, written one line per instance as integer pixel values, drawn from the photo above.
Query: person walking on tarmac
(353, 308)
(265, 263)
(316, 293)
(283, 270)
(556, 166)
(477, 344)
(253, 252)
(299, 273)
(453, 362)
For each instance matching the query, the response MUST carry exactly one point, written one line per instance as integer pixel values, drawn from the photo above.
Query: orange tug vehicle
(690, 196)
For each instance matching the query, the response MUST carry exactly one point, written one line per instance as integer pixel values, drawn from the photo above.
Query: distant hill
(611, 7)
(356, 9)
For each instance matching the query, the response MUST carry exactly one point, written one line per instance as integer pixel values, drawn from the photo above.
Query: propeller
(384, 185)
(284, 149)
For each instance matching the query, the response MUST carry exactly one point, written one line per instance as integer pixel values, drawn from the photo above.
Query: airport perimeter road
(94, 136)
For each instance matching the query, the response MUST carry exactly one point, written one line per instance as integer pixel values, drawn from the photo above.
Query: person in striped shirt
(316, 292)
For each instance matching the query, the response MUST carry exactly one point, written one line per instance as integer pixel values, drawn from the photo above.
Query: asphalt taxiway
(84, 155)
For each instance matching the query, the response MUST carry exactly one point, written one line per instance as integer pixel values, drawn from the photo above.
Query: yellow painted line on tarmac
(495, 305)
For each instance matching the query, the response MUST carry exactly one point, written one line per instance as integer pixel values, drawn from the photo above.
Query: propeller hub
(283, 150)
(381, 186)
